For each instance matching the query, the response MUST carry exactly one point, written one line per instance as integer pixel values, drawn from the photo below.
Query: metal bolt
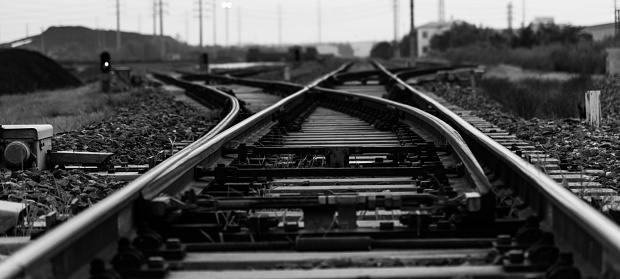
(504, 239)
(515, 256)
(173, 243)
(156, 262)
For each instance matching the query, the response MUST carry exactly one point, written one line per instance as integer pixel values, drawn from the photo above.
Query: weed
(532, 97)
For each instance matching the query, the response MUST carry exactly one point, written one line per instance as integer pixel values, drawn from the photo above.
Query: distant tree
(525, 38)
(382, 50)
(463, 34)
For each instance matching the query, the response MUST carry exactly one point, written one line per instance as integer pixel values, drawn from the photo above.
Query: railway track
(333, 181)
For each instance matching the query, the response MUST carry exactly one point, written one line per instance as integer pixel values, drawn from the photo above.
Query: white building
(601, 31)
(426, 32)
(328, 49)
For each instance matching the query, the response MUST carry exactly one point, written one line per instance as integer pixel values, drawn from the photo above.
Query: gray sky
(342, 20)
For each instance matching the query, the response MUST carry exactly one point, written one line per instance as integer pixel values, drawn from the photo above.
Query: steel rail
(439, 129)
(594, 238)
(63, 248)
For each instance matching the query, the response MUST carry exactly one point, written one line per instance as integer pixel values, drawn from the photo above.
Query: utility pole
(154, 18)
(412, 34)
(510, 16)
(214, 29)
(396, 21)
(319, 18)
(279, 24)
(239, 24)
(442, 11)
(200, 21)
(617, 22)
(226, 5)
(118, 25)
(42, 41)
(187, 29)
(523, 19)
(161, 29)
(27, 33)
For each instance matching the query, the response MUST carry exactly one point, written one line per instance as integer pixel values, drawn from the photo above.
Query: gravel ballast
(146, 124)
(572, 139)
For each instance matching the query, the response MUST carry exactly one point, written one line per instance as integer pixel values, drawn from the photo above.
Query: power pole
(523, 19)
(42, 41)
(279, 24)
(239, 24)
(118, 25)
(510, 16)
(396, 21)
(200, 21)
(187, 29)
(319, 18)
(161, 29)
(214, 29)
(617, 22)
(154, 18)
(27, 33)
(442, 11)
(412, 33)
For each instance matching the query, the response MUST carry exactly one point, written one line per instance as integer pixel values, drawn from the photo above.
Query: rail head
(438, 127)
(558, 202)
(63, 247)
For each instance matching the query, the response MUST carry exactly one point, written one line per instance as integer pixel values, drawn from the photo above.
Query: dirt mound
(24, 71)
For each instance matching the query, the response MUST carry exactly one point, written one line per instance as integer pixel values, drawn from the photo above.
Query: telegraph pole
(214, 29)
(510, 16)
(412, 34)
(154, 18)
(396, 21)
(442, 11)
(239, 24)
(187, 29)
(200, 21)
(523, 19)
(279, 24)
(161, 29)
(118, 25)
(42, 41)
(226, 5)
(319, 18)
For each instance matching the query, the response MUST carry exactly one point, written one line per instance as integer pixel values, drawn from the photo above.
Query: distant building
(362, 49)
(426, 32)
(540, 21)
(328, 49)
(599, 32)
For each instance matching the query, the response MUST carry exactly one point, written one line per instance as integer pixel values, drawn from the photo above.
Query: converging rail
(332, 181)
(594, 239)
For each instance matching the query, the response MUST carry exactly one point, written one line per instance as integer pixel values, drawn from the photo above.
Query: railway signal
(105, 66)
(204, 62)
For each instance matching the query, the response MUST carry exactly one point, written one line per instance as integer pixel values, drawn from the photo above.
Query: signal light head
(104, 62)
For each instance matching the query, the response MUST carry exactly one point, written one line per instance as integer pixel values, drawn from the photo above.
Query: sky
(285, 21)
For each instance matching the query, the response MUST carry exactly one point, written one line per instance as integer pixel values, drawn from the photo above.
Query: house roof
(435, 25)
(600, 26)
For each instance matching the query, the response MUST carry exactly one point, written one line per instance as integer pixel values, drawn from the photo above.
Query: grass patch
(531, 97)
(583, 57)
(66, 110)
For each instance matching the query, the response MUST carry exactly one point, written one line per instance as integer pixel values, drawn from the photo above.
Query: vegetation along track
(331, 184)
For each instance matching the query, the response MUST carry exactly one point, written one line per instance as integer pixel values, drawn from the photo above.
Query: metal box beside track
(24, 146)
